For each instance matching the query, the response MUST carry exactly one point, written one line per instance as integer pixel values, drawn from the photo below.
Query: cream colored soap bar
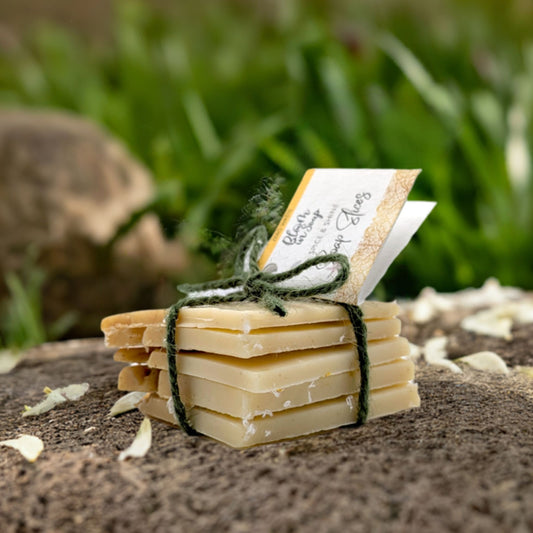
(276, 370)
(320, 416)
(244, 404)
(245, 316)
(270, 372)
(257, 342)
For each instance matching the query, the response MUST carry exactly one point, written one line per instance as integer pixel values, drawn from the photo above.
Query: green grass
(213, 99)
(22, 324)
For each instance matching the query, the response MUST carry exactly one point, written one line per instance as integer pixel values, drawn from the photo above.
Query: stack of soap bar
(248, 376)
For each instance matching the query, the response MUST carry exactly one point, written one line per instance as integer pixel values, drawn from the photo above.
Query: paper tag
(348, 211)
(409, 220)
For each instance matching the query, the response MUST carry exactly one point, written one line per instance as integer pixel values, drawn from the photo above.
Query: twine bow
(249, 283)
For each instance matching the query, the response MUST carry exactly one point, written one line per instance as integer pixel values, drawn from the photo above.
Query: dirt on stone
(463, 461)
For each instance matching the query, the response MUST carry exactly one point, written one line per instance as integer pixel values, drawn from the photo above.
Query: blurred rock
(65, 188)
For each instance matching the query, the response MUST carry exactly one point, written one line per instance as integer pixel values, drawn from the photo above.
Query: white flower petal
(498, 321)
(524, 312)
(492, 293)
(126, 403)
(74, 392)
(141, 444)
(422, 311)
(489, 361)
(57, 396)
(8, 361)
(429, 304)
(29, 446)
(435, 349)
(493, 322)
(435, 354)
(446, 363)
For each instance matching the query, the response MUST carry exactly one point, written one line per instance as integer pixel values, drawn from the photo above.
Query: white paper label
(409, 220)
(348, 211)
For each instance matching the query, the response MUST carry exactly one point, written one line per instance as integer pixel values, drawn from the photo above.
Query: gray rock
(65, 189)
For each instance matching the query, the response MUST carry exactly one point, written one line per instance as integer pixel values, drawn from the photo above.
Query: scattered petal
(57, 396)
(430, 303)
(489, 361)
(492, 293)
(524, 312)
(141, 444)
(422, 311)
(498, 321)
(52, 399)
(494, 322)
(435, 354)
(446, 363)
(29, 446)
(126, 403)
(435, 349)
(8, 361)
(74, 392)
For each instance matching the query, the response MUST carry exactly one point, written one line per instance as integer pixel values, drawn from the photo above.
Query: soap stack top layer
(247, 330)
(247, 316)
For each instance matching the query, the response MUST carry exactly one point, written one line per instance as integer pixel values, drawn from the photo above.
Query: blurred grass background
(213, 95)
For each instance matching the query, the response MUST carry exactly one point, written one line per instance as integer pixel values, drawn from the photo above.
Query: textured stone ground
(462, 462)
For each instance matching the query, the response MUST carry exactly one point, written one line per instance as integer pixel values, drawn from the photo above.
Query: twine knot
(252, 284)
(254, 287)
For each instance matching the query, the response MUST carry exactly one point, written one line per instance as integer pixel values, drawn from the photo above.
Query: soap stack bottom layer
(248, 377)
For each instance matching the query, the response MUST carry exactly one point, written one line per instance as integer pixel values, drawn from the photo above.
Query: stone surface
(462, 462)
(66, 187)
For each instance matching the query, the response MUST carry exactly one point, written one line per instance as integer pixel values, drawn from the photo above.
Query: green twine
(359, 328)
(249, 283)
